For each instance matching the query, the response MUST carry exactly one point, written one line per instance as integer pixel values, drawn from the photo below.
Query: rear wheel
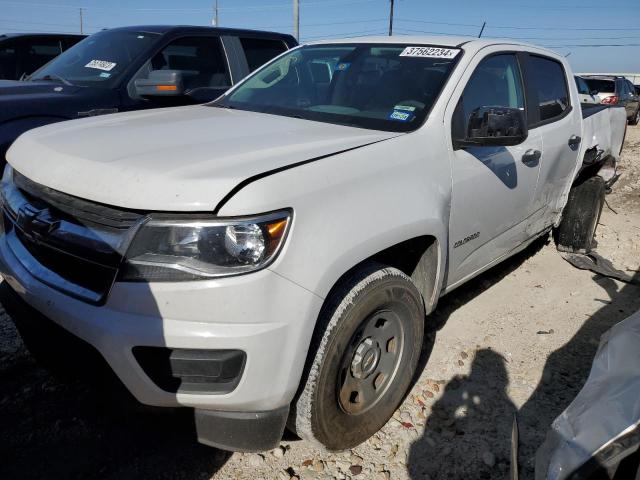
(636, 118)
(576, 232)
(363, 358)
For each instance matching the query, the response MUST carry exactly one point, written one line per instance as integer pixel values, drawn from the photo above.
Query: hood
(23, 99)
(174, 159)
(15, 87)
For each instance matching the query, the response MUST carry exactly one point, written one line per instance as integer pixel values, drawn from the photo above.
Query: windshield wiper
(53, 78)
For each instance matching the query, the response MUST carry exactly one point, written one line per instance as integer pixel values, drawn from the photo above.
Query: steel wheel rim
(371, 362)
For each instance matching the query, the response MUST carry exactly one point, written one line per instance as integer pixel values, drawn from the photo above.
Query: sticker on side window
(400, 116)
(430, 52)
(101, 65)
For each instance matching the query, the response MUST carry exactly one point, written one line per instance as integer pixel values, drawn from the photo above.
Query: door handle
(531, 157)
(574, 141)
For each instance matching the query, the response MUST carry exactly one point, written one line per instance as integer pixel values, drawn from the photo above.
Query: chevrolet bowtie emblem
(35, 221)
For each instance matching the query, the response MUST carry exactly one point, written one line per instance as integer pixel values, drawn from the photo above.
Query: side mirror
(494, 126)
(161, 83)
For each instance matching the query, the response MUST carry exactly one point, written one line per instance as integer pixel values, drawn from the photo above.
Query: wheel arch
(420, 258)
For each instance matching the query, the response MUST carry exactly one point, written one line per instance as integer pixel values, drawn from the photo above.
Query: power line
(594, 45)
(564, 28)
(441, 23)
(189, 10)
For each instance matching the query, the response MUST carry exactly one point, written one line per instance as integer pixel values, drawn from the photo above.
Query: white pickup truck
(271, 258)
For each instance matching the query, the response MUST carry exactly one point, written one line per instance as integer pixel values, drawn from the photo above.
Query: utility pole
(296, 19)
(391, 19)
(81, 23)
(215, 14)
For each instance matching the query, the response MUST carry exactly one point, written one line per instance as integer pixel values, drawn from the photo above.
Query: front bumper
(266, 316)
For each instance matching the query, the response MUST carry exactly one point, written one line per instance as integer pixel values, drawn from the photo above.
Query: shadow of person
(468, 430)
(566, 369)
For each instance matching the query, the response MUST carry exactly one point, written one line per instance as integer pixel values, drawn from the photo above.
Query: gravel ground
(518, 339)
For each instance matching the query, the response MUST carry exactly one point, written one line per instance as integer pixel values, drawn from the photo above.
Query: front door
(492, 187)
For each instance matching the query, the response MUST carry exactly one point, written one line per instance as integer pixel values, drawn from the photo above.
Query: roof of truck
(162, 29)
(469, 43)
(4, 36)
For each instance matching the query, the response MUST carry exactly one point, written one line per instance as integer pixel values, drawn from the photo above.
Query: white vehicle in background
(618, 91)
(270, 259)
(584, 93)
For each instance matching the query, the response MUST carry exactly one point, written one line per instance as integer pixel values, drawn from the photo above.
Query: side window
(548, 81)
(259, 51)
(630, 88)
(8, 60)
(200, 59)
(583, 88)
(39, 52)
(496, 82)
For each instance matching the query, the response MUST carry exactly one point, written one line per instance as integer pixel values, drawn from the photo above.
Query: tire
(636, 118)
(367, 342)
(576, 232)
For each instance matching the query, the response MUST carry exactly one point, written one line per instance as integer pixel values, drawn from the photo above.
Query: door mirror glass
(494, 126)
(161, 83)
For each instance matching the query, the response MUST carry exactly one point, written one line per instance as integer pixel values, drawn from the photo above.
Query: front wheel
(362, 360)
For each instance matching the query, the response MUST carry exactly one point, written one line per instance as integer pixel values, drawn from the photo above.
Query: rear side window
(259, 51)
(548, 81)
(8, 60)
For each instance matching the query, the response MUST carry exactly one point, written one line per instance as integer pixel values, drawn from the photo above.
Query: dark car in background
(23, 53)
(134, 68)
(614, 90)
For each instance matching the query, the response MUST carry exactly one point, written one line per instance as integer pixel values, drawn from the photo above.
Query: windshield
(383, 86)
(97, 60)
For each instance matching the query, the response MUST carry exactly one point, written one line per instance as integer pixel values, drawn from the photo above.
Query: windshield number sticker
(429, 52)
(101, 65)
(400, 116)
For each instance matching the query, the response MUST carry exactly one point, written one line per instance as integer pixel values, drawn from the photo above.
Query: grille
(75, 246)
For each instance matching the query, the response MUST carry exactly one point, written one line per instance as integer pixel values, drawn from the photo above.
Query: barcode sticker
(101, 65)
(430, 52)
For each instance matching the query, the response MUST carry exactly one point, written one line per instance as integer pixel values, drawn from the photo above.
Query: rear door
(492, 187)
(555, 117)
(631, 99)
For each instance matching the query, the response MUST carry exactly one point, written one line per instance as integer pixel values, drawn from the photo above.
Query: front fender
(350, 206)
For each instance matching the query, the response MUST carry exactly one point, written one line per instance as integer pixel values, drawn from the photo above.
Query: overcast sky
(569, 26)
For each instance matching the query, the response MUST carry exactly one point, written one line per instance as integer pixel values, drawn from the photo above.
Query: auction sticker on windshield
(101, 65)
(429, 52)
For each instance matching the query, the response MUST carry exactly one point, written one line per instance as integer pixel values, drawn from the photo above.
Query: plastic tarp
(606, 409)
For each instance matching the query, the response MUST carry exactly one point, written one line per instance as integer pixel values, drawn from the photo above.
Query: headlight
(166, 249)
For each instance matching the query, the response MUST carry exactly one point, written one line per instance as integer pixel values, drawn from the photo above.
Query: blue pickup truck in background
(133, 68)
